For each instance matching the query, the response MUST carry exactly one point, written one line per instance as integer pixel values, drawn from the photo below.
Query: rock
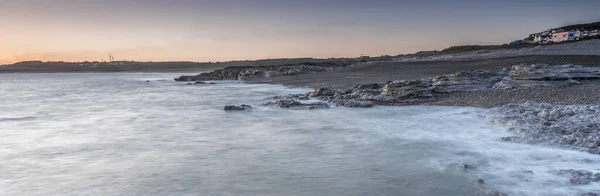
(322, 92)
(297, 104)
(272, 74)
(358, 104)
(573, 82)
(468, 167)
(561, 72)
(366, 94)
(228, 73)
(147, 80)
(541, 75)
(466, 81)
(577, 177)
(572, 125)
(203, 82)
(367, 86)
(253, 72)
(414, 91)
(512, 84)
(480, 181)
(590, 194)
(292, 97)
(237, 108)
(383, 98)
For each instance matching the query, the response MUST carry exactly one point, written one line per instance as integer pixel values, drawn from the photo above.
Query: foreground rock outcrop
(539, 123)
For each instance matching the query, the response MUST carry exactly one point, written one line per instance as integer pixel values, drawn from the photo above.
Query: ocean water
(115, 134)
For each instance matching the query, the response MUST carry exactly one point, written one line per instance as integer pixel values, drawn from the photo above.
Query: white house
(540, 39)
(560, 37)
(578, 35)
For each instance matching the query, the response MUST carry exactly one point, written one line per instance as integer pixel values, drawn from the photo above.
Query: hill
(586, 26)
(134, 66)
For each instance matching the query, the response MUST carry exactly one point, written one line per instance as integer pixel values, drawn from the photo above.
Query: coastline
(557, 83)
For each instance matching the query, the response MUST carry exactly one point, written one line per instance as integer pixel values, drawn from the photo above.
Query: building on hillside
(546, 33)
(560, 37)
(516, 42)
(578, 34)
(529, 40)
(571, 35)
(594, 34)
(541, 39)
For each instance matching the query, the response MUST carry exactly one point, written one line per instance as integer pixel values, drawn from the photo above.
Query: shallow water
(115, 134)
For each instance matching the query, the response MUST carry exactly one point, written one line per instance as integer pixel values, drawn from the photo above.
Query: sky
(221, 30)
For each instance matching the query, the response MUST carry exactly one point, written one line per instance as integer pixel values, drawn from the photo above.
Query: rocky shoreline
(425, 91)
(572, 126)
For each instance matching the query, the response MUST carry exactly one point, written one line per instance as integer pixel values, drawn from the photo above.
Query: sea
(145, 134)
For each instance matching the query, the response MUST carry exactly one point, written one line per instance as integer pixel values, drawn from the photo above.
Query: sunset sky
(218, 30)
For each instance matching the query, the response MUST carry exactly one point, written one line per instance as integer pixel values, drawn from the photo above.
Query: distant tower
(109, 58)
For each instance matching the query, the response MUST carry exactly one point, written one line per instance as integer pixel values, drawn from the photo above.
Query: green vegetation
(586, 26)
(469, 48)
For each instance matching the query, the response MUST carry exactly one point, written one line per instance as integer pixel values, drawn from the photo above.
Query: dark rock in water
(237, 108)
(297, 104)
(528, 172)
(203, 82)
(292, 97)
(468, 167)
(358, 104)
(147, 80)
(480, 181)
